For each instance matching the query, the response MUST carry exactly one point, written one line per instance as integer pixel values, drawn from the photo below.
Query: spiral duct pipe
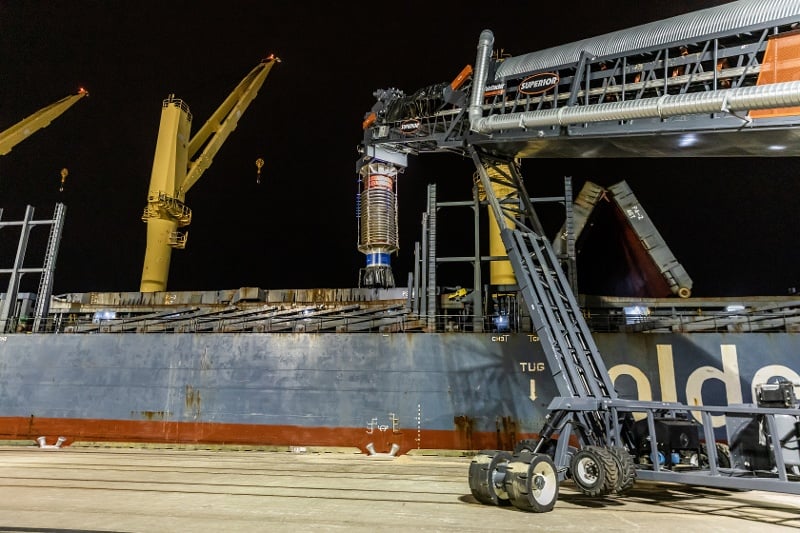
(725, 101)
(485, 44)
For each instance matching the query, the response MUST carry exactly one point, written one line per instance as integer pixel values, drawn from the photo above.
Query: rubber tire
(525, 445)
(594, 471)
(626, 469)
(532, 482)
(723, 456)
(484, 470)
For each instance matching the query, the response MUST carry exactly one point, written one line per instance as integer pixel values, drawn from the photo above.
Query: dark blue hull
(417, 390)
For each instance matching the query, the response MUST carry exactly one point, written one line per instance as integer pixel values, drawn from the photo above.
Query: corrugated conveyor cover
(716, 20)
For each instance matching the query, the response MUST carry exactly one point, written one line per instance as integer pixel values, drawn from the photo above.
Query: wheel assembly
(525, 445)
(723, 455)
(626, 469)
(487, 473)
(594, 471)
(532, 482)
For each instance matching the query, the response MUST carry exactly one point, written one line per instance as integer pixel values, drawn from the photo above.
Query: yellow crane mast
(38, 120)
(179, 162)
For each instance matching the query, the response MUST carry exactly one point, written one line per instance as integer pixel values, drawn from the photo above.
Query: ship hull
(462, 391)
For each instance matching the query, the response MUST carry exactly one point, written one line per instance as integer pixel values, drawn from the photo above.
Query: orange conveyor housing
(781, 64)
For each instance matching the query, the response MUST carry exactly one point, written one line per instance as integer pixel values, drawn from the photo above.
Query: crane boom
(224, 120)
(177, 166)
(38, 120)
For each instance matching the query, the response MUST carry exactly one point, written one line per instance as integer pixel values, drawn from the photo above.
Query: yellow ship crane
(179, 162)
(38, 120)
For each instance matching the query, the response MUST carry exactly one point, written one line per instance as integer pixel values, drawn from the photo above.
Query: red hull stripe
(166, 432)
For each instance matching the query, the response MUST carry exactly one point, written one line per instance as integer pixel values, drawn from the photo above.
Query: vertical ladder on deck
(570, 259)
(48, 269)
(430, 285)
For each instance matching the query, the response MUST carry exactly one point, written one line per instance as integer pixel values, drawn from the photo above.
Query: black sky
(732, 224)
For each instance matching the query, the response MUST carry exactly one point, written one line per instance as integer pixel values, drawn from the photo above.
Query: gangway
(713, 82)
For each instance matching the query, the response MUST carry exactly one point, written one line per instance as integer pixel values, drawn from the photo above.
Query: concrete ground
(93, 489)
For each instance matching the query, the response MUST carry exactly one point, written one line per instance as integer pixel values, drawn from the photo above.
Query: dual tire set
(529, 481)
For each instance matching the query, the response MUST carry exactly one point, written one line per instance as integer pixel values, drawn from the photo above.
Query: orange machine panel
(781, 63)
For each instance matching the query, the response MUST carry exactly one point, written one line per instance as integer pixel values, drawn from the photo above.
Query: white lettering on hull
(728, 375)
(666, 373)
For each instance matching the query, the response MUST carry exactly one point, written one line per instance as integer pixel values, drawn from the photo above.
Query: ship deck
(252, 309)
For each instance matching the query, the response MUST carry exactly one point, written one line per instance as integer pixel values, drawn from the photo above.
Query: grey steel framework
(688, 86)
(679, 93)
(18, 269)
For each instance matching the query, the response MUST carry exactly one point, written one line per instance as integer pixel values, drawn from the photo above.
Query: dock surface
(147, 490)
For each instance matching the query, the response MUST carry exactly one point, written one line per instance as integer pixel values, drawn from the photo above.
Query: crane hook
(259, 164)
(64, 174)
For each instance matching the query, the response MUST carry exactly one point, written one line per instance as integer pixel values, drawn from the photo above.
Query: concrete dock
(94, 489)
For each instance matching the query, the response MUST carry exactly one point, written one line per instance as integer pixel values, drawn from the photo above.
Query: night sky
(732, 224)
